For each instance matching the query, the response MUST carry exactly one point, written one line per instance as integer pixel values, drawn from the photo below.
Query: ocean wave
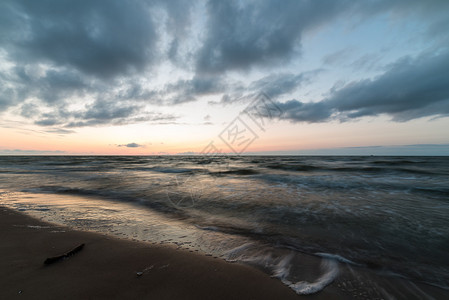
(432, 191)
(236, 172)
(380, 213)
(300, 168)
(396, 162)
(63, 190)
(173, 170)
(358, 168)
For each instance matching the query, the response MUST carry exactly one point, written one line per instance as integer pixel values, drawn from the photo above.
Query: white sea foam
(38, 227)
(282, 269)
(236, 254)
(331, 270)
(280, 266)
(336, 257)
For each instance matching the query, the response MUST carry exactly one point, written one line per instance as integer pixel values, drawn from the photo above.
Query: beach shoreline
(109, 267)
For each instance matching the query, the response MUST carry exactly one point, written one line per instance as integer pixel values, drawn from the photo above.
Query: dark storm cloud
(245, 34)
(97, 51)
(297, 111)
(180, 91)
(118, 116)
(52, 87)
(47, 122)
(241, 35)
(409, 89)
(102, 113)
(103, 110)
(274, 85)
(63, 50)
(7, 96)
(90, 36)
(188, 90)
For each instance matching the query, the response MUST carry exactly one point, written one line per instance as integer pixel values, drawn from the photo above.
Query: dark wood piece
(55, 259)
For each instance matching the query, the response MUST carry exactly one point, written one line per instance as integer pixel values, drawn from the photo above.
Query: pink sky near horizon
(278, 136)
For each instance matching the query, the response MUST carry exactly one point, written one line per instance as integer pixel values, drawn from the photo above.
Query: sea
(389, 215)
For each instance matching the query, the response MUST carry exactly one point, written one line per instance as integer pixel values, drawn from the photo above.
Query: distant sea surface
(387, 214)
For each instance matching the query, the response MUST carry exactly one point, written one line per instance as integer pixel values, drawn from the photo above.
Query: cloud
(132, 145)
(297, 111)
(105, 111)
(338, 57)
(409, 89)
(100, 113)
(58, 53)
(274, 85)
(50, 86)
(245, 34)
(59, 131)
(188, 90)
(279, 84)
(47, 122)
(89, 36)
(84, 63)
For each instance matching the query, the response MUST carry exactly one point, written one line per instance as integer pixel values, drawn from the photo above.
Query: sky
(150, 77)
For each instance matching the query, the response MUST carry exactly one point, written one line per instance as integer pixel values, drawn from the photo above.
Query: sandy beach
(113, 268)
(108, 267)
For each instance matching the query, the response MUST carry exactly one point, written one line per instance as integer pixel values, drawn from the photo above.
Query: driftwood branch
(72, 252)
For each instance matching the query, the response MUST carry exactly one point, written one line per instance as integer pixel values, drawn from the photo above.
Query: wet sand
(108, 268)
